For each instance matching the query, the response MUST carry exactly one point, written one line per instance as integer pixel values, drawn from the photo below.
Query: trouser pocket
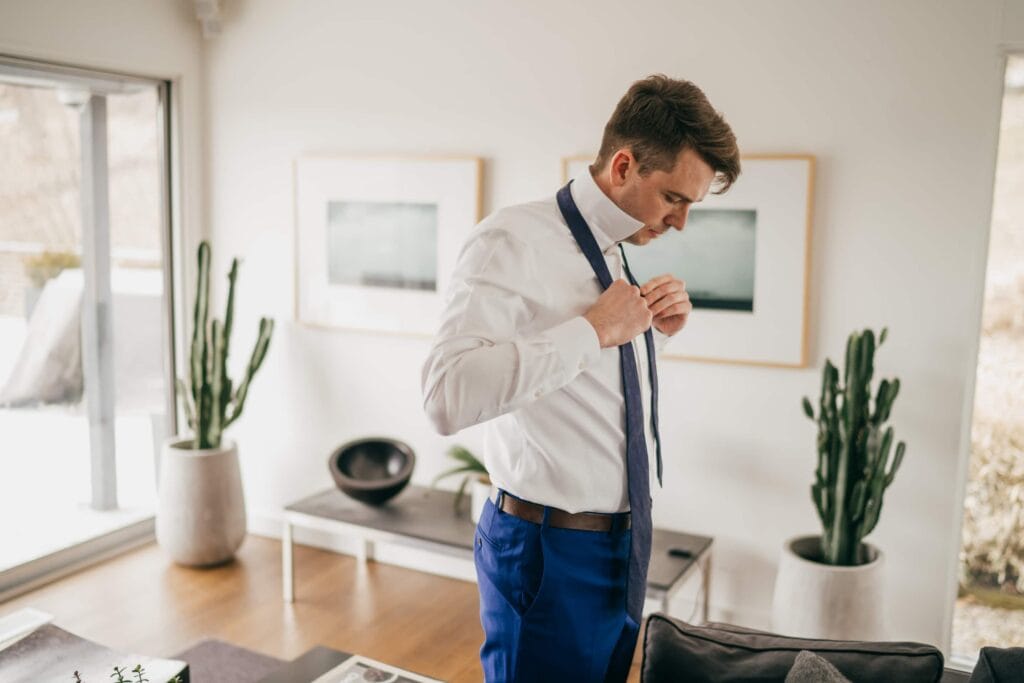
(509, 558)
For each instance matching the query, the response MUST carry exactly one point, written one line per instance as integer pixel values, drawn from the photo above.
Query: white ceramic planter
(816, 600)
(480, 490)
(200, 517)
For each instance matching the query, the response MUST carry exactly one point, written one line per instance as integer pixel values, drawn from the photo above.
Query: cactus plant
(211, 400)
(854, 449)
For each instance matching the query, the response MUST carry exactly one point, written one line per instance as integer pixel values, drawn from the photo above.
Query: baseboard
(32, 575)
(962, 663)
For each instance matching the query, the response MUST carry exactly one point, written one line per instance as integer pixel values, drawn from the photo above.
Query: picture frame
(746, 257)
(376, 238)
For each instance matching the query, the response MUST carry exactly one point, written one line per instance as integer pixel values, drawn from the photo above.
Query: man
(546, 339)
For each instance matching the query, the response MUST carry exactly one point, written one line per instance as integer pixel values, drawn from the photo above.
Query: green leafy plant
(47, 265)
(211, 400)
(469, 465)
(854, 449)
(119, 676)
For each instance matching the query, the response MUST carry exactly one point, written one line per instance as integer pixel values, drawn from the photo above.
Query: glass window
(84, 343)
(990, 608)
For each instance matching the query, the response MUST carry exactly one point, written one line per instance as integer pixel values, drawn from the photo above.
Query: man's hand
(619, 315)
(668, 302)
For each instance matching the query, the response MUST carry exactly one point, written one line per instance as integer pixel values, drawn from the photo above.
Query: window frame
(96, 298)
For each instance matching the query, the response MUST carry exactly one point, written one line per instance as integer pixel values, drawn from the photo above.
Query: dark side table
(424, 518)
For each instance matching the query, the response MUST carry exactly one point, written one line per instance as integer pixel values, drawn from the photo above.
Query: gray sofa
(683, 653)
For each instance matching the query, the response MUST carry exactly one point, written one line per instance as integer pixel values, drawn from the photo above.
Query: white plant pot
(200, 517)
(816, 600)
(480, 491)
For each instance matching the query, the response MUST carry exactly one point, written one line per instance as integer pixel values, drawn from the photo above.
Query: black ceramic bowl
(372, 470)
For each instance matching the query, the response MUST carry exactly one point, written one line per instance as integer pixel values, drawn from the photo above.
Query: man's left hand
(668, 302)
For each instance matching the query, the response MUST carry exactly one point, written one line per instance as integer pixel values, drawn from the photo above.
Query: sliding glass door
(989, 609)
(85, 313)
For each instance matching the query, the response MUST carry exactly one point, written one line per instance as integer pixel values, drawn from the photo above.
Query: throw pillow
(810, 668)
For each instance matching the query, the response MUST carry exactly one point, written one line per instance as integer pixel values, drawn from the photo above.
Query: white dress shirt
(514, 351)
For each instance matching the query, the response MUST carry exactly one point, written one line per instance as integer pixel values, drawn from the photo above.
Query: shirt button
(538, 394)
(581, 365)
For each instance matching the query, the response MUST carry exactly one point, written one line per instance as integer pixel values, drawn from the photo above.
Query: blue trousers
(552, 601)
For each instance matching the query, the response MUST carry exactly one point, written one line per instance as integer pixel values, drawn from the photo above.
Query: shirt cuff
(576, 343)
(660, 340)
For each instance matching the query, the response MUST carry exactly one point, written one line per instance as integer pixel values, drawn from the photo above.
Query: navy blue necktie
(637, 467)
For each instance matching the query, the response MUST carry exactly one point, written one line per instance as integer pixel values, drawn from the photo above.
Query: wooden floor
(141, 602)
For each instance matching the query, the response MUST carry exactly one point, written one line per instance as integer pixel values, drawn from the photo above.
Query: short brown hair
(659, 117)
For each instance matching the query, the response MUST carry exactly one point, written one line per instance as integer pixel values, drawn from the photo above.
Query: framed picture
(376, 239)
(745, 258)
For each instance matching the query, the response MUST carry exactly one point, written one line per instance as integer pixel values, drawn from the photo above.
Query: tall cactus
(211, 401)
(854, 448)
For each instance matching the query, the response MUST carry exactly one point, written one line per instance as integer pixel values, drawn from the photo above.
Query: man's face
(661, 199)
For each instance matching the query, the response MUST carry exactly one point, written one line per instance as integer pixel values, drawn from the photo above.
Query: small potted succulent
(831, 585)
(201, 512)
(475, 477)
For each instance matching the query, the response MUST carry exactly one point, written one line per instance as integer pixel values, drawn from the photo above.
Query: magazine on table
(359, 669)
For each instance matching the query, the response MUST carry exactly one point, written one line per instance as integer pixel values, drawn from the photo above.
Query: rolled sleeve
(576, 344)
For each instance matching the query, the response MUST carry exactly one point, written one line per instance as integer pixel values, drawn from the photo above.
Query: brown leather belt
(581, 521)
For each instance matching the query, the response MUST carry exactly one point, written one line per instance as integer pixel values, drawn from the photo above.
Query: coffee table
(424, 518)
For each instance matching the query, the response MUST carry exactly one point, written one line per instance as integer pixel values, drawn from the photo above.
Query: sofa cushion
(996, 665)
(682, 653)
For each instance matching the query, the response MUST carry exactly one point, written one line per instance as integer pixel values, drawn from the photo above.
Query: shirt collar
(608, 222)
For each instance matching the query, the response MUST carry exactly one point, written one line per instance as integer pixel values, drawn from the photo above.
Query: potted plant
(124, 676)
(831, 586)
(476, 477)
(201, 512)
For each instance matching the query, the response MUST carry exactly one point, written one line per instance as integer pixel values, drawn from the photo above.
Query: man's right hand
(619, 315)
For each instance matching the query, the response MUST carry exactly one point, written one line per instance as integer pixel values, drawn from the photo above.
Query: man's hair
(658, 118)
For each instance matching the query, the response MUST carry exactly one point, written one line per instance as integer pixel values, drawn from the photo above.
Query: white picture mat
(775, 332)
(348, 670)
(452, 184)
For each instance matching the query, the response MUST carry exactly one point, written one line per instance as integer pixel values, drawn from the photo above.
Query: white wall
(899, 102)
(153, 38)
